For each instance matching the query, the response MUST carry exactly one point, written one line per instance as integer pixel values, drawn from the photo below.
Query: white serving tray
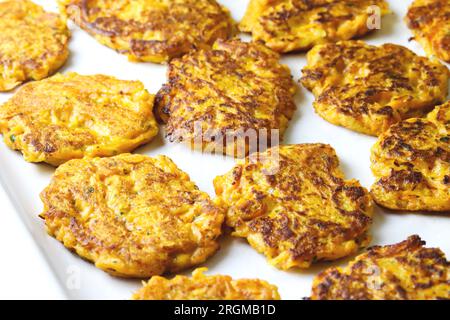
(81, 280)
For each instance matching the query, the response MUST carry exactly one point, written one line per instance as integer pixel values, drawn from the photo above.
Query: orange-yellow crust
(233, 89)
(292, 25)
(33, 43)
(368, 88)
(70, 116)
(403, 271)
(152, 30)
(203, 287)
(132, 215)
(411, 162)
(429, 20)
(293, 205)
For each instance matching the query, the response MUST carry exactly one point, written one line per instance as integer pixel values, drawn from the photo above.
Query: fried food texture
(368, 88)
(411, 162)
(151, 30)
(229, 100)
(293, 205)
(298, 25)
(204, 287)
(429, 20)
(70, 116)
(132, 215)
(33, 43)
(403, 271)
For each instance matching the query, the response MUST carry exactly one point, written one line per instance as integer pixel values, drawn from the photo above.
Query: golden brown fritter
(291, 25)
(404, 271)
(151, 30)
(202, 287)
(429, 20)
(33, 43)
(411, 162)
(70, 116)
(216, 96)
(293, 205)
(367, 88)
(132, 215)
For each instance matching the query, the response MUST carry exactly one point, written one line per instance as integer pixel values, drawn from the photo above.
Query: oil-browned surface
(294, 206)
(289, 25)
(429, 20)
(203, 287)
(151, 30)
(33, 43)
(404, 271)
(70, 116)
(232, 89)
(368, 88)
(132, 215)
(411, 162)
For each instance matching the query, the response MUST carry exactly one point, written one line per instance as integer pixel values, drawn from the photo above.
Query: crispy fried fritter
(202, 287)
(404, 271)
(290, 25)
(132, 215)
(367, 88)
(151, 30)
(71, 116)
(429, 20)
(293, 205)
(213, 98)
(33, 43)
(411, 162)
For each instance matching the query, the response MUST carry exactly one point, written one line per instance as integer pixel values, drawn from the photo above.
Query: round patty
(151, 30)
(33, 43)
(132, 215)
(368, 88)
(203, 287)
(411, 162)
(214, 98)
(293, 205)
(403, 271)
(71, 116)
(429, 20)
(292, 25)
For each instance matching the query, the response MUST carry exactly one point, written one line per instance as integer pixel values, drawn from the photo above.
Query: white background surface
(34, 265)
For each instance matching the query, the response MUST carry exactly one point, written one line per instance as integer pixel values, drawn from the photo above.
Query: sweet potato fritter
(132, 215)
(293, 205)
(291, 25)
(367, 88)
(404, 271)
(214, 98)
(429, 20)
(202, 287)
(151, 30)
(411, 162)
(70, 116)
(33, 43)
